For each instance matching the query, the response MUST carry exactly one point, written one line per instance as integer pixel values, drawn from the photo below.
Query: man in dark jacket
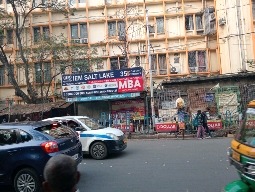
(205, 122)
(200, 129)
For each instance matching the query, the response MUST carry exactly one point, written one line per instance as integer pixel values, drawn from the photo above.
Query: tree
(47, 48)
(130, 21)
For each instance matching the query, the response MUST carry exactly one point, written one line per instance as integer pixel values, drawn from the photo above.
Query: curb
(165, 136)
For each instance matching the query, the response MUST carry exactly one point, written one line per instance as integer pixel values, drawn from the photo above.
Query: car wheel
(98, 150)
(27, 180)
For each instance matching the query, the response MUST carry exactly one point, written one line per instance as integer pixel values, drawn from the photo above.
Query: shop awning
(33, 108)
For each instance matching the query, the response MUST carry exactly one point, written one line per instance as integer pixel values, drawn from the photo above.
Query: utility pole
(151, 83)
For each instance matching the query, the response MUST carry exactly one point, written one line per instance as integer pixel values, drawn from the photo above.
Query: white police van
(97, 140)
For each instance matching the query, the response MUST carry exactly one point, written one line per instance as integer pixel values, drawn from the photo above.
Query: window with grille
(209, 21)
(46, 32)
(197, 61)
(83, 31)
(9, 36)
(162, 64)
(123, 63)
(189, 25)
(74, 31)
(111, 29)
(118, 63)
(8, 76)
(160, 25)
(38, 72)
(36, 34)
(121, 30)
(43, 70)
(81, 66)
(154, 64)
(47, 72)
(199, 22)
(114, 63)
(20, 74)
(79, 31)
(1, 75)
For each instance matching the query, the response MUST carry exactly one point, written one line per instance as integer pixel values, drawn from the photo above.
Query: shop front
(122, 91)
(127, 115)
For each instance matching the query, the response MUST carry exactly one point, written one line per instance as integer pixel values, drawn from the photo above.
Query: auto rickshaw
(242, 153)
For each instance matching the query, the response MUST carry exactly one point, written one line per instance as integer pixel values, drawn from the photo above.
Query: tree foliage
(47, 48)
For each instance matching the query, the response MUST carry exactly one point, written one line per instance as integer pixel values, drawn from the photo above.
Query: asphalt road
(161, 166)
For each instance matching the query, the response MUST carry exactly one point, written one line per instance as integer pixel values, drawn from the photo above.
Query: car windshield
(91, 123)
(246, 133)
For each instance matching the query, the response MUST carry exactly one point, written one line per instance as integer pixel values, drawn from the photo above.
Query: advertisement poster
(105, 82)
(125, 111)
(166, 127)
(214, 125)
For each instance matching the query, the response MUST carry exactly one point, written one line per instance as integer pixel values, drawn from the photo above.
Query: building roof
(234, 76)
(34, 108)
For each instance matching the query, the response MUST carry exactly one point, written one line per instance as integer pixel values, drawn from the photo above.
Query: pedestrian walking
(200, 129)
(181, 123)
(205, 122)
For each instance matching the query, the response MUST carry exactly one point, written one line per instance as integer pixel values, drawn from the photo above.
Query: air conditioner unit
(212, 16)
(76, 41)
(222, 21)
(174, 69)
(84, 41)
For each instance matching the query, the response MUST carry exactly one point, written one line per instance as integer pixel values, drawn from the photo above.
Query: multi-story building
(187, 37)
(235, 21)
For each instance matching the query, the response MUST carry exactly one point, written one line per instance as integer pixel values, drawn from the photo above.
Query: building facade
(187, 38)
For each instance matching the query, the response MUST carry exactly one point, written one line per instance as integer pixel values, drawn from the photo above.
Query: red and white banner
(166, 127)
(131, 84)
(250, 123)
(214, 125)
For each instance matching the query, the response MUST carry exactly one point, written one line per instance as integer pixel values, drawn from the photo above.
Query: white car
(97, 140)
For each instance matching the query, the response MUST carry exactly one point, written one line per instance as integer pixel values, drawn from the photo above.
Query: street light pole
(150, 66)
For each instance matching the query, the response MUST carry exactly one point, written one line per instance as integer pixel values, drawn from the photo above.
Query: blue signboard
(102, 97)
(105, 82)
(209, 97)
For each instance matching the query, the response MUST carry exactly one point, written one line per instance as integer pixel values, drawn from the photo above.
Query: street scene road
(161, 165)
